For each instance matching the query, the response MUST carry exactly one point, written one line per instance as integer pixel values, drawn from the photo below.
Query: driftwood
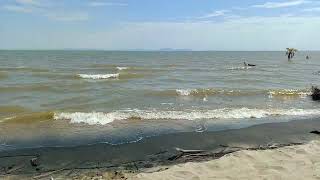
(315, 132)
(20, 155)
(315, 93)
(47, 174)
(189, 151)
(181, 155)
(226, 150)
(34, 162)
(12, 169)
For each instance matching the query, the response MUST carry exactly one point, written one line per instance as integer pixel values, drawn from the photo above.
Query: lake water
(57, 98)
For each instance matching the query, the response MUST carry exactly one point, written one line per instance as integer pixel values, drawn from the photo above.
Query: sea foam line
(98, 76)
(290, 92)
(271, 93)
(227, 113)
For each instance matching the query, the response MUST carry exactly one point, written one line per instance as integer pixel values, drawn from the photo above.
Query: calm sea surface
(54, 98)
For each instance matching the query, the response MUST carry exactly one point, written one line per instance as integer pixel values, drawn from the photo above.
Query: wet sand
(152, 154)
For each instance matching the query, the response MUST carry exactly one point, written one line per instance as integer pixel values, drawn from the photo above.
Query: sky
(154, 24)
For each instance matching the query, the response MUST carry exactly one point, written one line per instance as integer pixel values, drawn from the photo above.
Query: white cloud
(98, 3)
(44, 8)
(271, 5)
(245, 33)
(215, 14)
(19, 9)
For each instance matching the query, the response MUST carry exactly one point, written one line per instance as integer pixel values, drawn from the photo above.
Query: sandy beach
(293, 162)
(159, 90)
(282, 151)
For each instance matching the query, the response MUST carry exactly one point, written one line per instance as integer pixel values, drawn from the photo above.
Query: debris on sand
(315, 93)
(34, 162)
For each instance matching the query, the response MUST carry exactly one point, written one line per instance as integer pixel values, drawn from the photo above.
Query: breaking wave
(30, 117)
(226, 113)
(290, 92)
(206, 92)
(212, 92)
(99, 76)
(122, 68)
(24, 69)
(122, 76)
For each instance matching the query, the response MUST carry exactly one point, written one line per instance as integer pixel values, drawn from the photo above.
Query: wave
(24, 88)
(99, 76)
(88, 118)
(24, 69)
(52, 87)
(226, 113)
(12, 109)
(112, 67)
(212, 92)
(53, 75)
(124, 75)
(195, 92)
(198, 92)
(3, 75)
(239, 68)
(103, 66)
(122, 68)
(121, 76)
(7, 111)
(203, 92)
(30, 117)
(290, 92)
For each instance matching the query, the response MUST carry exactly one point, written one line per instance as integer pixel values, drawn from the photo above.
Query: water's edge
(158, 151)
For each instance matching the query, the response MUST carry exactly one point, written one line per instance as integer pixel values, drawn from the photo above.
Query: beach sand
(271, 151)
(293, 162)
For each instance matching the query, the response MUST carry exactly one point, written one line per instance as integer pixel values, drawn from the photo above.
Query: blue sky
(155, 24)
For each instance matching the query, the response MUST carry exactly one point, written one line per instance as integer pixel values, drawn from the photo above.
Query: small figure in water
(246, 64)
(307, 57)
(290, 53)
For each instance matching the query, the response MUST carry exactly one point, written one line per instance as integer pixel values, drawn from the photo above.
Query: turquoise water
(99, 94)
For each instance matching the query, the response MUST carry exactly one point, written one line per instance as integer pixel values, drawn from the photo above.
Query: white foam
(167, 104)
(289, 92)
(89, 118)
(184, 92)
(205, 99)
(122, 68)
(239, 113)
(239, 68)
(98, 76)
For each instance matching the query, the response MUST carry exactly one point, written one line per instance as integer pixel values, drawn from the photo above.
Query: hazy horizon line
(148, 50)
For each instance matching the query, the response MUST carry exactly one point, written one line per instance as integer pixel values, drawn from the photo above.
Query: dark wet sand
(150, 154)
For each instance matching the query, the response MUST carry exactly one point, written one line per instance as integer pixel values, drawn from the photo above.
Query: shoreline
(152, 154)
